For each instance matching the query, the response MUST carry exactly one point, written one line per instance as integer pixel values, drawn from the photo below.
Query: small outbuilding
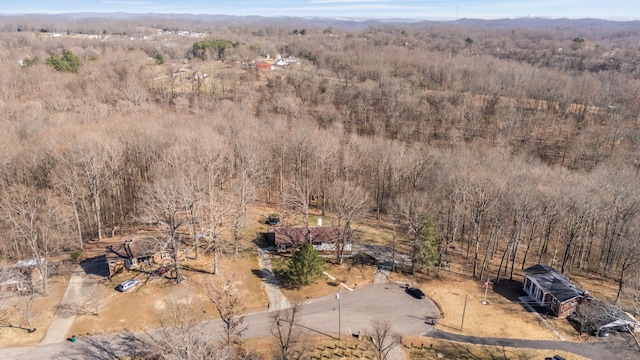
(22, 277)
(600, 318)
(264, 66)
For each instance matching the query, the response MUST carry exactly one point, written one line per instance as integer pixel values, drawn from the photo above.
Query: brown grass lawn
(44, 308)
(352, 276)
(501, 317)
(418, 348)
(600, 288)
(141, 308)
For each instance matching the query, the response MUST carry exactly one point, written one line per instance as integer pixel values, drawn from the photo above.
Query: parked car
(272, 220)
(416, 293)
(128, 285)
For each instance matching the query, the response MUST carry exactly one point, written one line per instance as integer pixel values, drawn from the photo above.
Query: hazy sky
(420, 9)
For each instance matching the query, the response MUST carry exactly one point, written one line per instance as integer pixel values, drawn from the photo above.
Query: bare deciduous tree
(383, 338)
(181, 336)
(163, 203)
(25, 309)
(285, 328)
(36, 219)
(349, 202)
(227, 301)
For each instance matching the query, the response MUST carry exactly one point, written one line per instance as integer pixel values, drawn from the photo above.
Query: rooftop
(553, 282)
(133, 248)
(297, 235)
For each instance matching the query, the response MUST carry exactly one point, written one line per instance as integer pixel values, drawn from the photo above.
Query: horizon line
(339, 18)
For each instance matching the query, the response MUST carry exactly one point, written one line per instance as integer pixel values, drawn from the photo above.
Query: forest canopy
(518, 143)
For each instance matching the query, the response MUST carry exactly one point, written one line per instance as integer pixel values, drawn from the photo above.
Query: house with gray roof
(552, 290)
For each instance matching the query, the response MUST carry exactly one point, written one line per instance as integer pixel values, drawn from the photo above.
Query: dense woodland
(520, 143)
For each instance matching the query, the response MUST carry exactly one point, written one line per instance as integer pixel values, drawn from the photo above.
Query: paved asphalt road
(357, 309)
(619, 347)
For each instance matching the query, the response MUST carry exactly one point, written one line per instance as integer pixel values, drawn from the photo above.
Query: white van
(128, 285)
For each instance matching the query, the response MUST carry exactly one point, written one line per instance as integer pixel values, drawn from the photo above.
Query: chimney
(319, 221)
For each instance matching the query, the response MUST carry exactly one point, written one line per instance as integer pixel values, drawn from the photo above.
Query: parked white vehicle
(128, 285)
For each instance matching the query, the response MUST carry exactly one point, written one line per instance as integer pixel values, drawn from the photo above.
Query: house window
(130, 263)
(165, 256)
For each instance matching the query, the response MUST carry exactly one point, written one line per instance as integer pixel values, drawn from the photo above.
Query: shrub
(69, 62)
(75, 255)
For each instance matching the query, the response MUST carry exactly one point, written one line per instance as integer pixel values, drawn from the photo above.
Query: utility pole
(464, 310)
(339, 314)
(393, 249)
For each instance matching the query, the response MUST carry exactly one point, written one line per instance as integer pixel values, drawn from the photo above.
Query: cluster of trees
(509, 160)
(202, 48)
(68, 62)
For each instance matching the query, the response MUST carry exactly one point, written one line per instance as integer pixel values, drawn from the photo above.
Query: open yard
(13, 326)
(503, 316)
(143, 307)
(352, 276)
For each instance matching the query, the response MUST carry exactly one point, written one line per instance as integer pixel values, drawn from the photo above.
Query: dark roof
(132, 249)
(297, 235)
(554, 283)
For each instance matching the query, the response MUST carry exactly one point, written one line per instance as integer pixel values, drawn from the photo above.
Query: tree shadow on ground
(257, 273)
(95, 266)
(125, 346)
(192, 269)
(622, 344)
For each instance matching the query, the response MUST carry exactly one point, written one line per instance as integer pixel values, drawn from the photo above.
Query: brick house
(323, 238)
(552, 290)
(138, 254)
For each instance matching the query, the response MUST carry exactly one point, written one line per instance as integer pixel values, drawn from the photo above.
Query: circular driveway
(358, 309)
(408, 315)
